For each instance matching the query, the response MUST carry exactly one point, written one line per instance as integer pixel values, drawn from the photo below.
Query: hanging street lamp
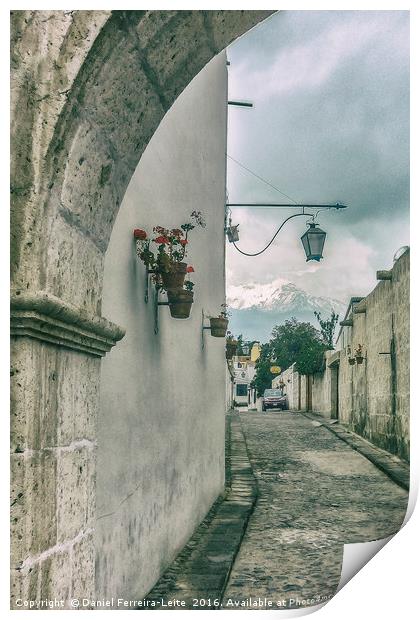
(313, 239)
(313, 242)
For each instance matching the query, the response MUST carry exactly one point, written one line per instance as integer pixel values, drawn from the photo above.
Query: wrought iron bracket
(158, 303)
(203, 327)
(147, 284)
(156, 311)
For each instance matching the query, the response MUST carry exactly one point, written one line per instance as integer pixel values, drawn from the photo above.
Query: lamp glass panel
(305, 244)
(316, 239)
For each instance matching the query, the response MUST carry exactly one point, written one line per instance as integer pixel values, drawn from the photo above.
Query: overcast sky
(330, 124)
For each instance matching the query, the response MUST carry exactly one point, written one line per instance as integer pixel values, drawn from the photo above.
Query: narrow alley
(314, 493)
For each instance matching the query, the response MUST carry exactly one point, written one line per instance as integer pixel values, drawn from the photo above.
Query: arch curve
(89, 89)
(97, 84)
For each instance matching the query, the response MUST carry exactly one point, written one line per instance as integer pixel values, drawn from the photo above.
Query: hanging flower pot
(351, 360)
(164, 252)
(174, 277)
(358, 354)
(180, 302)
(218, 326)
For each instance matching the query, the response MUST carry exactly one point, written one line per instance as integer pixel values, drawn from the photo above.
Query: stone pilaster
(56, 350)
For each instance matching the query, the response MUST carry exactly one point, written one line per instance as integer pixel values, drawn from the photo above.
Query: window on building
(241, 389)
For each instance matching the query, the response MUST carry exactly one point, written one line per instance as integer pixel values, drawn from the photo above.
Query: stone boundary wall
(294, 387)
(373, 397)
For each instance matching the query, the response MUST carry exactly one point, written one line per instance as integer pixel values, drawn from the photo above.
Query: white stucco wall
(290, 378)
(161, 422)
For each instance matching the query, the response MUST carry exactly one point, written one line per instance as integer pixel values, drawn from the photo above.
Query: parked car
(274, 399)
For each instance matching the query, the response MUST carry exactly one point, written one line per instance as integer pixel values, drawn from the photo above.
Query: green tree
(327, 328)
(240, 342)
(298, 343)
(263, 376)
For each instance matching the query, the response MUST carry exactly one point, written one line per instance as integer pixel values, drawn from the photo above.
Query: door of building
(335, 374)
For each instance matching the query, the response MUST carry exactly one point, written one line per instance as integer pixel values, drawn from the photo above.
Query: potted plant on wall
(181, 299)
(218, 325)
(358, 354)
(231, 346)
(351, 360)
(164, 253)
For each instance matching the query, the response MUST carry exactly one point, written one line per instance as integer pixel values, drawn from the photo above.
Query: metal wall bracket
(147, 284)
(203, 327)
(157, 303)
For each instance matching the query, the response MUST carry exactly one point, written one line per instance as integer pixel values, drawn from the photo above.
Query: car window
(273, 393)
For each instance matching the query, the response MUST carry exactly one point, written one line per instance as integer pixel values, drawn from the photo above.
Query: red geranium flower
(183, 242)
(190, 269)
(161, 240)
(139, 233)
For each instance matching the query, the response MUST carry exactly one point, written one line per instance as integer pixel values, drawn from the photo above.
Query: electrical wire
(228, 214)
(261, 178)
(275, 235)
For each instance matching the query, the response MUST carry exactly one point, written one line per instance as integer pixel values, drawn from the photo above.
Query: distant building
(255, 351)
(243, 368)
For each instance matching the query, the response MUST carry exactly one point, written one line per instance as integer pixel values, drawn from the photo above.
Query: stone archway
(89, 88)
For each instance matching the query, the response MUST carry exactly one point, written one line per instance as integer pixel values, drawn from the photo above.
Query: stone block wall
(321, 392)
(53, 471)
(373, 397)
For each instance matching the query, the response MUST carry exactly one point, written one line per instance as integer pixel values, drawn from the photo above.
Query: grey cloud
(341, 134)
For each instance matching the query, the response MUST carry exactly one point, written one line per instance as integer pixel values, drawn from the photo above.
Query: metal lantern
(232, 233)
(313, 242)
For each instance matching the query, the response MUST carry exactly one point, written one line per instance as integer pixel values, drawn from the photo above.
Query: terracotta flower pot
(359, 360)
(218, 326)
(180, 302)
(352, 361)
(174, 279)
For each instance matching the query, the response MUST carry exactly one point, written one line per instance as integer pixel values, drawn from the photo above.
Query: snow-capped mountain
(256, 308)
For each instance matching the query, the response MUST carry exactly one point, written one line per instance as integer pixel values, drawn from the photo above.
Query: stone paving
(315, 493)
(392, 465)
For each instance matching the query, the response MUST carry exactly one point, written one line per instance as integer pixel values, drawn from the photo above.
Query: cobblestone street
(315, 493)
